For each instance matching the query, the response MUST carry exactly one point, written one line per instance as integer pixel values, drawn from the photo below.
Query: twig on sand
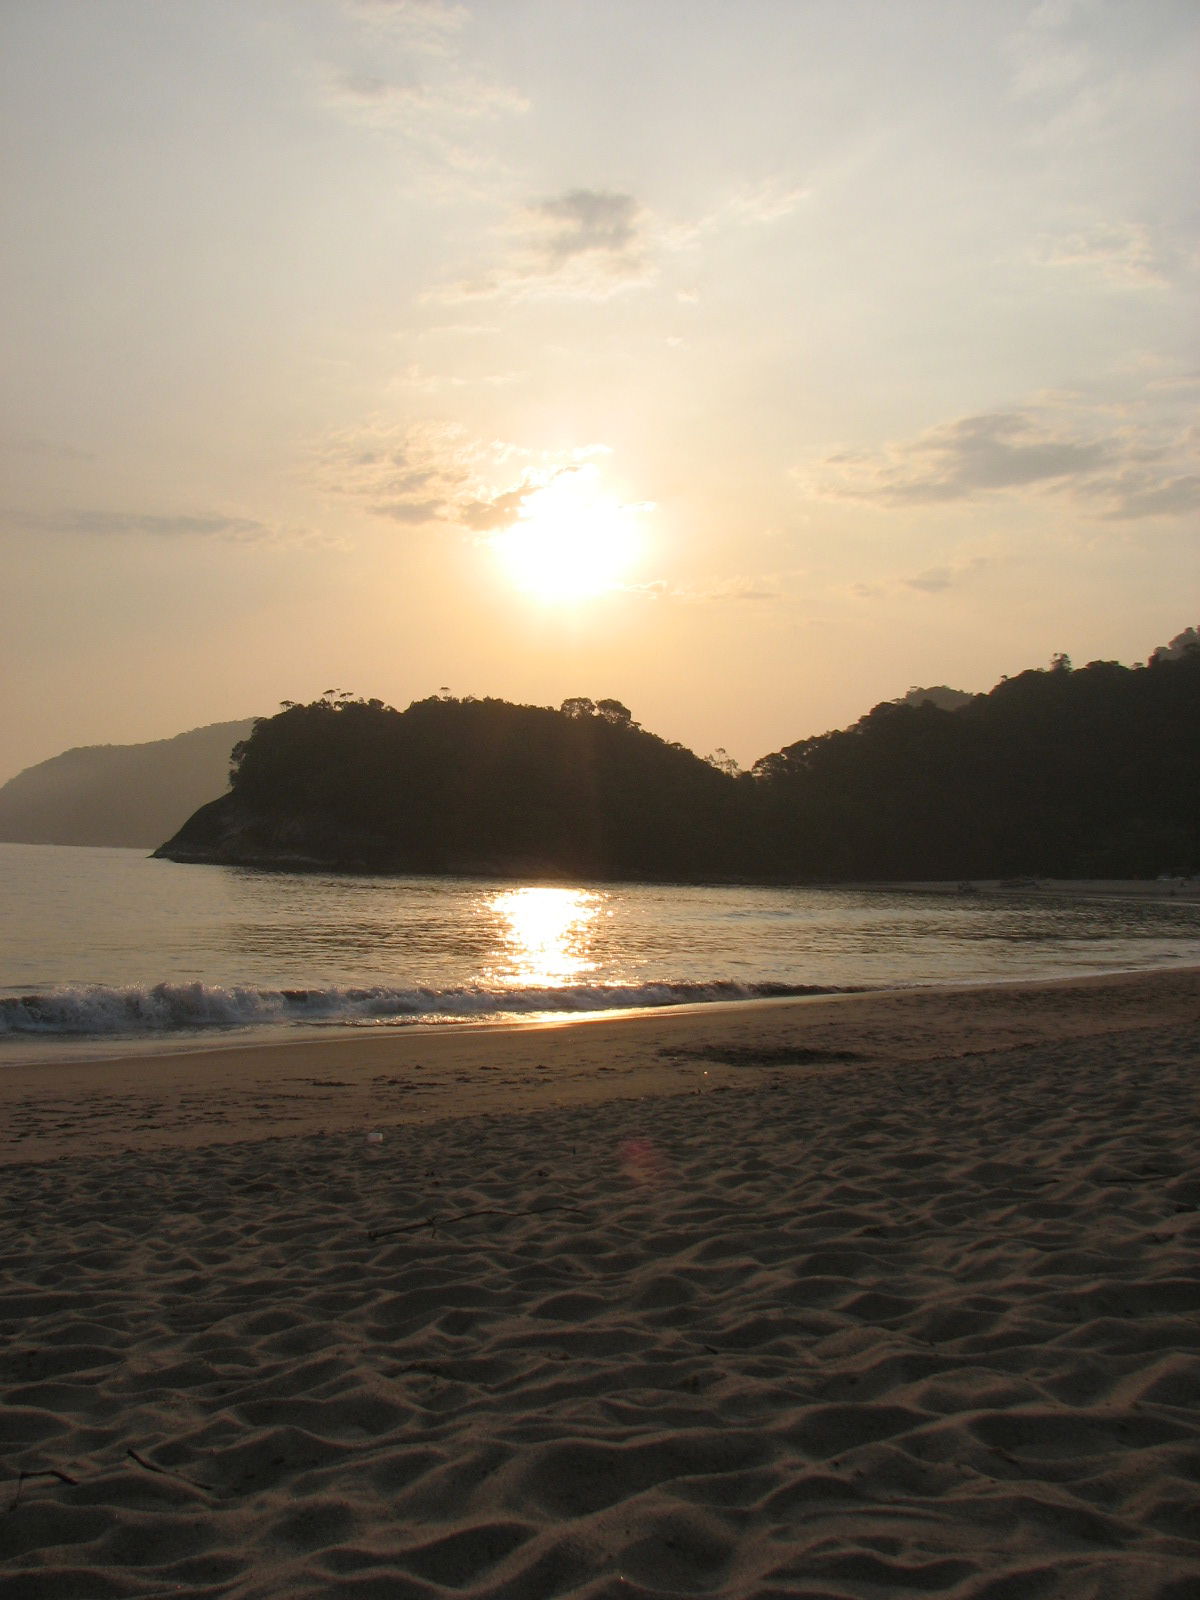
(43, 1472)
(463, 1216)
(166, 1472)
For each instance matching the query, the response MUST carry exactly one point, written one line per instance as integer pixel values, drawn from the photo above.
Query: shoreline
(367, 1080)
(1158, 890)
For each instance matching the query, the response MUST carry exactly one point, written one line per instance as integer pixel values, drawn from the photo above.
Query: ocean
(102, 950)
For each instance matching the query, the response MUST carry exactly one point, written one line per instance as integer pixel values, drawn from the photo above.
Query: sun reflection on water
(544, 935)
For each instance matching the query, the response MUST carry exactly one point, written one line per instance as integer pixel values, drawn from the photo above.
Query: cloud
(1047, 57)
(595, 243)
(754, 590)
(1129, 495)
(432, 472)
(413, 512)
(931, 581)
(1112, 473)
(936, 580)
(769, 200)
(487, 516)
(1122, 254)
(29, 445)
(584, 243)
(426, 25)
(416, 106)
(158, 525)
(585, 220)
(960, 460)
(402, 74)
(747, 589)
(416, 377)
(408, 474)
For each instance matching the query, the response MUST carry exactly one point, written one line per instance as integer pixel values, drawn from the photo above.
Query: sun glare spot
(546, 933)
(570, 541)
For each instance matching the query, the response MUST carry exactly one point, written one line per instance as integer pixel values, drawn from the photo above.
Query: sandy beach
(850, 1297)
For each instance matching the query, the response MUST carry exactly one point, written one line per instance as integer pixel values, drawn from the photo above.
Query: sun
(570, 540)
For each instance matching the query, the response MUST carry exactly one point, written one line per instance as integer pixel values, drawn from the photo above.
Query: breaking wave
(97, 1009)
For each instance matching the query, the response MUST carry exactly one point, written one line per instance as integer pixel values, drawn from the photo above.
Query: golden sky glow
(350, 341)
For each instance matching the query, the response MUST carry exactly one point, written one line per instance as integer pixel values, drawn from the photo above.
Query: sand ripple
(865, 1333)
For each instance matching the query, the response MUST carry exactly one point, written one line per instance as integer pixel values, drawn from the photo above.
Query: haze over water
(106, 946)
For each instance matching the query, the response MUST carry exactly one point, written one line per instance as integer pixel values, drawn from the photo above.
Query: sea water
(100, 948)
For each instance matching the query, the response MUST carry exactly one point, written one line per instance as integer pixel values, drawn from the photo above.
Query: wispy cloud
(1133, 493)
(585, 243)
(432, 472)
(412, 512)
(1076, 74)
(1047, 53)
(408, 474)
(426, 25)
(751, 205)
(1123, 254)
(586, 221)
(753, 589)
(595, 243)
(960, 460)
(158, 525)
(415, 377)
(502, 510)
(937, 580)
(415, 105)
(1115, 473)
(30, 445)
(411, 80)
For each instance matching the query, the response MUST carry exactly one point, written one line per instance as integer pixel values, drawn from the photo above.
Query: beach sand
(857, 1297)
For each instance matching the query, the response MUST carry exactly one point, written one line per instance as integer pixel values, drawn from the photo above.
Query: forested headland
(1057, 772)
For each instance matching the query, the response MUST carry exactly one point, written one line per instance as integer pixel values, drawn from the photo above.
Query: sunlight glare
(570, 541)
(545, 935)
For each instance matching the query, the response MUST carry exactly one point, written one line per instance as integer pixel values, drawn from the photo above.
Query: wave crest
(97, 1009)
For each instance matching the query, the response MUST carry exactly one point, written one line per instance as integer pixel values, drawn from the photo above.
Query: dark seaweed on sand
(733, 1055)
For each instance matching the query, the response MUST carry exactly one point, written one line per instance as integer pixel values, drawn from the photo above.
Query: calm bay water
(104, 946)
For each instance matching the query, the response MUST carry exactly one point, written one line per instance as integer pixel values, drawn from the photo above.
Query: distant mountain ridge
(119, 794)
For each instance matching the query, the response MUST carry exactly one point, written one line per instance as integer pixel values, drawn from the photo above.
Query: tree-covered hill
(1056, 773)
(470, 786)
(1061, 773)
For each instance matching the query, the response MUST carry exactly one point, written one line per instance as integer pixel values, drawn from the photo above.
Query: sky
(748, 363)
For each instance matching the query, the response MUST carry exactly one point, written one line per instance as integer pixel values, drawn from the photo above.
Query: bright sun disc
(569, 542)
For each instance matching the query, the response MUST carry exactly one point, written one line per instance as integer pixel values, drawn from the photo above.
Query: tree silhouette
(1058, 772)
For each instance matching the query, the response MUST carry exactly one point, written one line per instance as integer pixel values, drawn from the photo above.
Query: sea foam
(99, 1009)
